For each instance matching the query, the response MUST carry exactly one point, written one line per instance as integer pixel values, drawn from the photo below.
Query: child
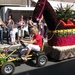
(12, 36)
(41, 28)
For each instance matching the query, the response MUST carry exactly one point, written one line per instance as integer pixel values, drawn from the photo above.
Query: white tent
(16, 10)
(21, 8)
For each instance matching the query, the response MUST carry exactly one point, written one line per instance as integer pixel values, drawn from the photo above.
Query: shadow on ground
(60, 68)
(63, 68)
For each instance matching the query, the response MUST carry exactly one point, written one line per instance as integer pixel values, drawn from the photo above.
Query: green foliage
(2, 59)
(64, 13)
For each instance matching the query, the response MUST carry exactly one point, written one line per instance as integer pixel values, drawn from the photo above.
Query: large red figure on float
(61, 36)
(61, 33)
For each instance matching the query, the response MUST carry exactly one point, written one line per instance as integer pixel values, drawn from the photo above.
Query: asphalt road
(65, 67)
(53, 67)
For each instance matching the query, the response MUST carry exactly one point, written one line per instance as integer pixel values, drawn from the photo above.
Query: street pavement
(7, 45)
(65, 67)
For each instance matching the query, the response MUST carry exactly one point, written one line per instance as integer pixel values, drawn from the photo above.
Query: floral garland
(64, 32)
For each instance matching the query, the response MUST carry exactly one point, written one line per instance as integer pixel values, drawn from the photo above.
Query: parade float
(61, 31)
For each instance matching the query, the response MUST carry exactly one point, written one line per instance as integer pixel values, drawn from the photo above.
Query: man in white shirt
(20, 24)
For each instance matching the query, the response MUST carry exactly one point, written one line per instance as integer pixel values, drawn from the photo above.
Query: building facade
(15, 8)
(25, 2)
(13, 2)
(18, 7)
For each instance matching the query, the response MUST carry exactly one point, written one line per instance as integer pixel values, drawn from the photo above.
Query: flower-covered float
(61, 34)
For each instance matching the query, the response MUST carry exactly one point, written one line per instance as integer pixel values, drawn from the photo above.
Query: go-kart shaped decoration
(6, 60)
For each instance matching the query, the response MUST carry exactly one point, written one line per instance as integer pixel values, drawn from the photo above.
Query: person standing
(12, 36)
(45, 31)
(41, 28)
(21, 24)
(30, 25)
(9, 24)
(2, 24)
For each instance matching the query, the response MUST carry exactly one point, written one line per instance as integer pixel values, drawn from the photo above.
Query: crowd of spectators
(13, 35)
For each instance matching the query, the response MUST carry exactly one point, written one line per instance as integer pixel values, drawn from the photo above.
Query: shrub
(64, 13)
